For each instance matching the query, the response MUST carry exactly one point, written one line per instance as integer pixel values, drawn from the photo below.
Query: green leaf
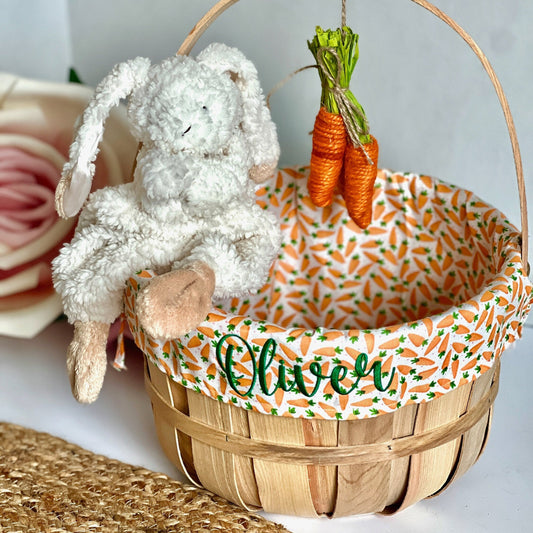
(73, 76)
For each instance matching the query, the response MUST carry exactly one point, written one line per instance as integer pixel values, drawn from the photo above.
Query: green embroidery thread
(227, 364)
(260, 371)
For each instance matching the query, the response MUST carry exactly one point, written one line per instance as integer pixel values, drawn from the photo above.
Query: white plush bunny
(190, 213)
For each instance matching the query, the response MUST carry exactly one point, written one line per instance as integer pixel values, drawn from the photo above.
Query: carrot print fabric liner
(355, 323)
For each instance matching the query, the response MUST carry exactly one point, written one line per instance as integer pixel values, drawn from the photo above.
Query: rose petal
(7, 270)
(56, 235)
(20, 237)
(14, 200)
(8, 224)
(25, 299)
(26, 207)
(41, 213)
(34, 201)
(30, 320)
(44, 171)
(35, 276)
(10, 176)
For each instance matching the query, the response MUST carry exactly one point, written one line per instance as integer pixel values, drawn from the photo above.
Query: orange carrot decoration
(359, 178)
(344, 153)
(327, 158)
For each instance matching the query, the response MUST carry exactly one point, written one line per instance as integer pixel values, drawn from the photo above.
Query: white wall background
(427, 99)
(35, 38)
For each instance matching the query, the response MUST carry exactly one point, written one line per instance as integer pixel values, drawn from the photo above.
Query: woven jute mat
(48, 485)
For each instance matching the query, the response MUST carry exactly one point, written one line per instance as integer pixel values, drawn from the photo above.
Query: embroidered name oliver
(262, 366)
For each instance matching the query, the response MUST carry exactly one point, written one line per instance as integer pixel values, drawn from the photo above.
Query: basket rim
(383, 361)
(375, 452)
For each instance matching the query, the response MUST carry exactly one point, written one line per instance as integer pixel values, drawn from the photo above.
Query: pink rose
(27, 184)
(36, 127)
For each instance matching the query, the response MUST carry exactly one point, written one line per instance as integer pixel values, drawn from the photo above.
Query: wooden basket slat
(474, 439)
(487, 433)
(283, 488)
(183, 441)
(322, 479)
(215, 468)
(364, 488)
(430, 470)
(404, 424)
(244, 467)
(176, 445)
(495, 382)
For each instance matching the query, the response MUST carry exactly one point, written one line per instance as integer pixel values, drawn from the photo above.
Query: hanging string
(343, 14)
(279, 85)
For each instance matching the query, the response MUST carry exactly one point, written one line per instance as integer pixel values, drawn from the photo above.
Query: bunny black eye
(204, 108)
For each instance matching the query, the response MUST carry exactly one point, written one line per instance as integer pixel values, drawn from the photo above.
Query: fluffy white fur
(204, 126)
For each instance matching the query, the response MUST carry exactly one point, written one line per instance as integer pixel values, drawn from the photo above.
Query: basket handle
(222, 5)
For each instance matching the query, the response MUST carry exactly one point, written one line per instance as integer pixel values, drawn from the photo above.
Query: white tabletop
(494, 496)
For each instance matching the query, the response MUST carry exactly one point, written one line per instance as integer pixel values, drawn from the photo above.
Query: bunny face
(186, 106)
(207, 110)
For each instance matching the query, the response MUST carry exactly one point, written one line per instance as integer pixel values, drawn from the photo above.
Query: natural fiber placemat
(48, 485)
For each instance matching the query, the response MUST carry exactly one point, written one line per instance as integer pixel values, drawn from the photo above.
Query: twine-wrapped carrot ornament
(344, 153)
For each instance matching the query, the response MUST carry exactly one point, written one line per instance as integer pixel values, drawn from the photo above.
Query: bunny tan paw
(175, 303)
(87, 360)
(262, 173)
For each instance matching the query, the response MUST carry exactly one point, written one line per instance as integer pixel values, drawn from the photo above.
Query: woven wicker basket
(310, 467)
(314, 467)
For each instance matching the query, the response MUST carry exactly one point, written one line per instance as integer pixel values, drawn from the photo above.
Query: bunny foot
(262, 173)
(175, 303)
(87, 360)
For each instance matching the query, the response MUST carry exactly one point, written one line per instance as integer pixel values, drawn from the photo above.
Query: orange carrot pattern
(432, 347)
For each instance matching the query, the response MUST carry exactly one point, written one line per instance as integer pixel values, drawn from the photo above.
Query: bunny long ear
(78, 172)
(257, 121)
